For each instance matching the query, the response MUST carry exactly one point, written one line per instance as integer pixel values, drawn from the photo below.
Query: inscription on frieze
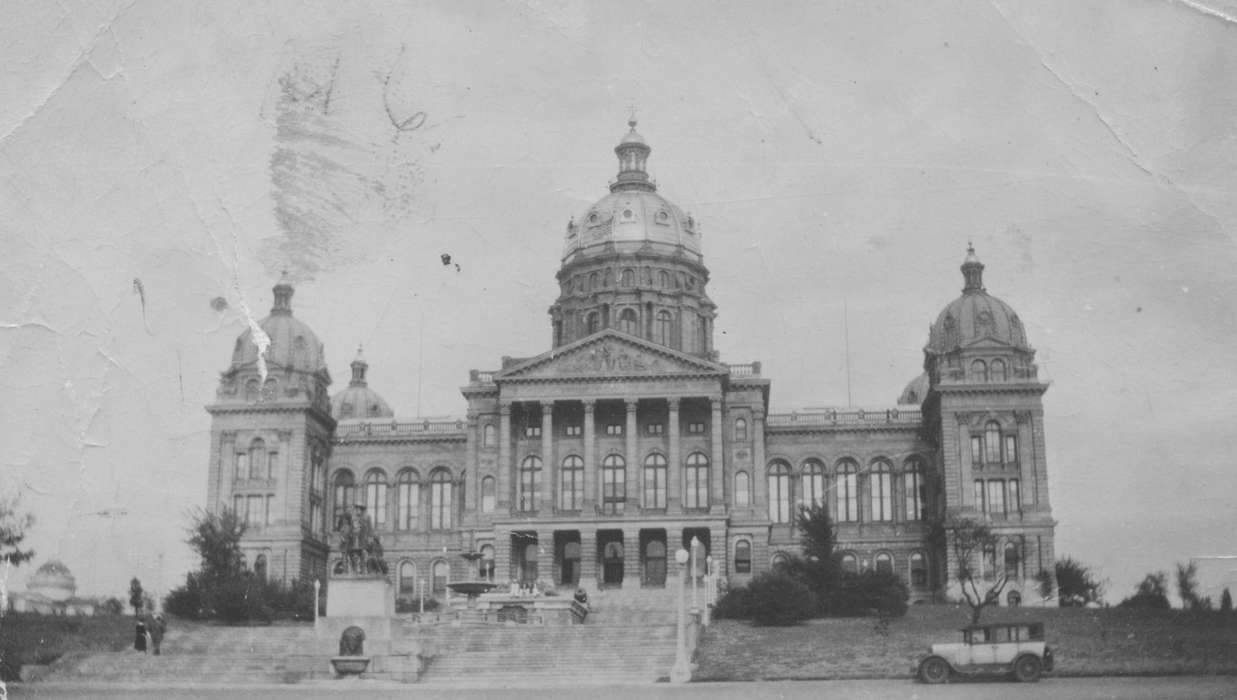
(609, 359)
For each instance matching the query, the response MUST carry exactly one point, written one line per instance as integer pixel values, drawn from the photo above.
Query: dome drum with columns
(591, 463)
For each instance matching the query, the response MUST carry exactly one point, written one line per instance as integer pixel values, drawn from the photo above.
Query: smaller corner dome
(975, 316)
(293, 344)
(915, 391)
(358, 401)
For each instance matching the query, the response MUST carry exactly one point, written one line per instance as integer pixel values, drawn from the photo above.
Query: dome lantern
(972, 272)
(359, 365)
(632, 153)
(283, 296)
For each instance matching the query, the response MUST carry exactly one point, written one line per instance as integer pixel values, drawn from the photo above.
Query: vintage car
(1014, 648)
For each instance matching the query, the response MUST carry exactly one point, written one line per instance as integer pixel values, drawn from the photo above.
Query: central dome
(293, 345)
(975, 316)
(633, 216)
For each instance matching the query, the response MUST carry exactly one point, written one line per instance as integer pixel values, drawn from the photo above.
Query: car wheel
(934, 669)
(1027, 668)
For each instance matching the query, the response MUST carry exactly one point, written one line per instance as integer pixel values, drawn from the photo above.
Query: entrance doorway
(653, 549)
(611, 545)
(525, 552)
(567, 547)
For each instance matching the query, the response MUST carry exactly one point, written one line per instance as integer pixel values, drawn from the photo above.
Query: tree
(217, 540)
(220, 587)
(135, 596)
(13, 527)
(981, 584)
(1187, 588)
(1151, 593)
(818, 568)
(1226, 603)
(1076, 584)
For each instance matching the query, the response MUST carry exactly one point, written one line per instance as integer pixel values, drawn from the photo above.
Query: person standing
(156, 629)
(139, 638)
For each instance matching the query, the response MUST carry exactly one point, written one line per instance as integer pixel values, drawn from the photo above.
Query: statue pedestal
(360, 596)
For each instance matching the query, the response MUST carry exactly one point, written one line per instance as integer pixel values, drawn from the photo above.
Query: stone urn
(351, 660)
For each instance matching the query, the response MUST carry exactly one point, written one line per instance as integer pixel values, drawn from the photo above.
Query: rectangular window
(242, 466)
(881, 485)
(254, 516)
(977, 450)
(1011, 449)
(573, 430)
(406, 502)
(315, 516)
(655, 487)
(614, 429)
(272, 463)
(1015, 505)
(238, 507)
(695, 428)
(440, 505)
(532, 431)
(266, 512)
(996, 498)
(979, 496)
(848, 497)
(654, 428)
(912, 488)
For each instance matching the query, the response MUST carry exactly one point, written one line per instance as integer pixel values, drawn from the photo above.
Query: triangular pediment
(610, 353)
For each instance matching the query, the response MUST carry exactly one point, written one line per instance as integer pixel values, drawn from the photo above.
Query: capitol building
(592, 463)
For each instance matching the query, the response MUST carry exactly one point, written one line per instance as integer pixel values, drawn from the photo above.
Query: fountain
(473, 589)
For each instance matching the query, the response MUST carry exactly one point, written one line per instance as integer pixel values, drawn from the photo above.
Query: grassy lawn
(27, 638)
(1087, 642)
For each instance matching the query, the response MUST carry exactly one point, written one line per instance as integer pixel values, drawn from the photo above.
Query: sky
(162, 163)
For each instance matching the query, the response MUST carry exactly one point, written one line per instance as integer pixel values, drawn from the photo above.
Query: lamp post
(422, 589)
(695, 568)
(317, 590)
(680, 672)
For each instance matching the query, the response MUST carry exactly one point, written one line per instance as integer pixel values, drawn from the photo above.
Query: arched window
(407, 493)
(743, 557)
(850, 563)
(740, 430)
(661, 331)
(594, 282)
(407, 578)
(1012, 559)
(919, 569)
(485, 569)
(257, 459)
(742, 490)
(884, 563)
(344, 489)
(571, 486)
(997, 371)
(663, 279)
(593, 322)
(913, 488)
(259, 567)
(880, 487)
(441, 499)
(812, 484)
(779, 492)
(530, 483)
(847, 492)
(979, 371)
(628, 323)
(989, 551)
(489, 435)
(376, 497)
(613, 484)
(629, 278)
(696, 494)
(608, 279)
(489, 495)
(655, 481)
(252, 389)
(442, 574)
(992, 442)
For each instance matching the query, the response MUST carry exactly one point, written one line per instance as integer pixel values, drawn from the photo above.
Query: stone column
(674, 477)
(590, 458)
(502, 557)
(757, 480)
(631, 558)
(717, 462)
(588, 556)
(633, 454)
(505, 485)
(547, 457)
(472, 496)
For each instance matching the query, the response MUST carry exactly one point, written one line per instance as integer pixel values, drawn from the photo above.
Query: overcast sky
(838, 155)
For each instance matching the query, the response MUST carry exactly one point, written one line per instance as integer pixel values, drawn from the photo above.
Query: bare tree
(981, 583)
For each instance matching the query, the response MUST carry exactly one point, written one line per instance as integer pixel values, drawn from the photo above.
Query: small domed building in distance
(51, 590)
(592, 463)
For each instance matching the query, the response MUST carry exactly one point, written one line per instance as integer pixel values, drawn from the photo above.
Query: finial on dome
(359, 365)
(632, 153)
(283, 295)
(972, 271)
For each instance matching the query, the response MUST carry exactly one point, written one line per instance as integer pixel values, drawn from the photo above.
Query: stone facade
(592, 463)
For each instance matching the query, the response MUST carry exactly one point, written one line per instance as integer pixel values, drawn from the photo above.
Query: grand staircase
(629, 637)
